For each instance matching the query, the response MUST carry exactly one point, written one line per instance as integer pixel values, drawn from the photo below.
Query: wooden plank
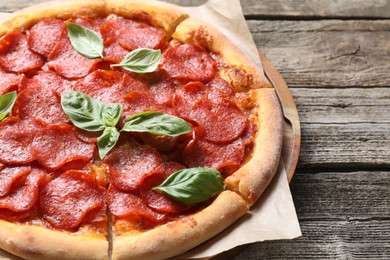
(343, 106)
(276, 8)
(327, 240)
(316, 9)
(344, 147)
(346, 128)
(343, 196)
(327, 53)
(342, 215)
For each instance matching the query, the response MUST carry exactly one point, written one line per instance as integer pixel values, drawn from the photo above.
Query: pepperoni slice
(66, 200)
(247, 135)
(15, 56)
(114, 52)
(222, 86)
(123, 204)
(68, 63)
(58, 145)
(157, 199)
(205, 154)
(16, 137)
(8, 81)
(132, 84)
(8, 175)
(221, 120)
(162, 87)
(189, 62)
(186, 98)
(105, 86)
(87, 137)
(48, 79)
(40, 103)
(45, 34)
(142, 36)
(89, 23)
(130, 165)
(113, 25)
(24, 197)
(136, 102)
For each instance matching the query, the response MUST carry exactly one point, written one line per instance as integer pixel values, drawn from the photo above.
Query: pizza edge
(254, 176)
(21, 21)
(241, 73)
(179, 236)
(35, 242)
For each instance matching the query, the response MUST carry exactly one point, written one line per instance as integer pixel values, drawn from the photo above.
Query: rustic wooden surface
(335, 57)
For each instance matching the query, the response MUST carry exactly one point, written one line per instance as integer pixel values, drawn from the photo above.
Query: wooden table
(335, 57)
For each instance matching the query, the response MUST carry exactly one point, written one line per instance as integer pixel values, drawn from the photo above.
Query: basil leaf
(193, 185)
(84, 111)
(85, 41)
(107, 141)
(156, 123)
(141, 60)
(7, 101)
(111, 113)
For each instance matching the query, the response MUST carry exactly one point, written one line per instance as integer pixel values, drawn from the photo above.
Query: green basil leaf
(156, 123)
(107, 141)
(141, 60)
(84, 111)
(193, 185)
(85, 41)
(7, 101)
(111, 113)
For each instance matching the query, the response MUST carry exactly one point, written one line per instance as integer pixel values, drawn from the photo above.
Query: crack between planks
(312, 17)
(351, 167)
(345, 219)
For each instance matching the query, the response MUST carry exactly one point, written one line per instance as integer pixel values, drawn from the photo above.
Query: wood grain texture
(342, 216)
(327, 240)
(328, 53)
(300, 9)
(345, 147)
(342, 196)
(276, 8)
(346, 128)
(343, 106)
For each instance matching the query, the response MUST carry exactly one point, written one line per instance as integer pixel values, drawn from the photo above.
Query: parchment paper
(273, 216)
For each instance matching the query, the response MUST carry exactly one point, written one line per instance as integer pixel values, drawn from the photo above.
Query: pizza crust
(161, 14)
(177, 237)
(240, 73)
(254, 176)
(35, 242)
(27, 17)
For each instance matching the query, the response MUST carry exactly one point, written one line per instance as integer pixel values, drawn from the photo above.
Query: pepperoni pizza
(72, 187)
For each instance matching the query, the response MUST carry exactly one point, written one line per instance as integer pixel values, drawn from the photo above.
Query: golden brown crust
(34, 242)
(177, 237)
(159, 14)
(255, 175)
(241, 73)
(24, 19)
